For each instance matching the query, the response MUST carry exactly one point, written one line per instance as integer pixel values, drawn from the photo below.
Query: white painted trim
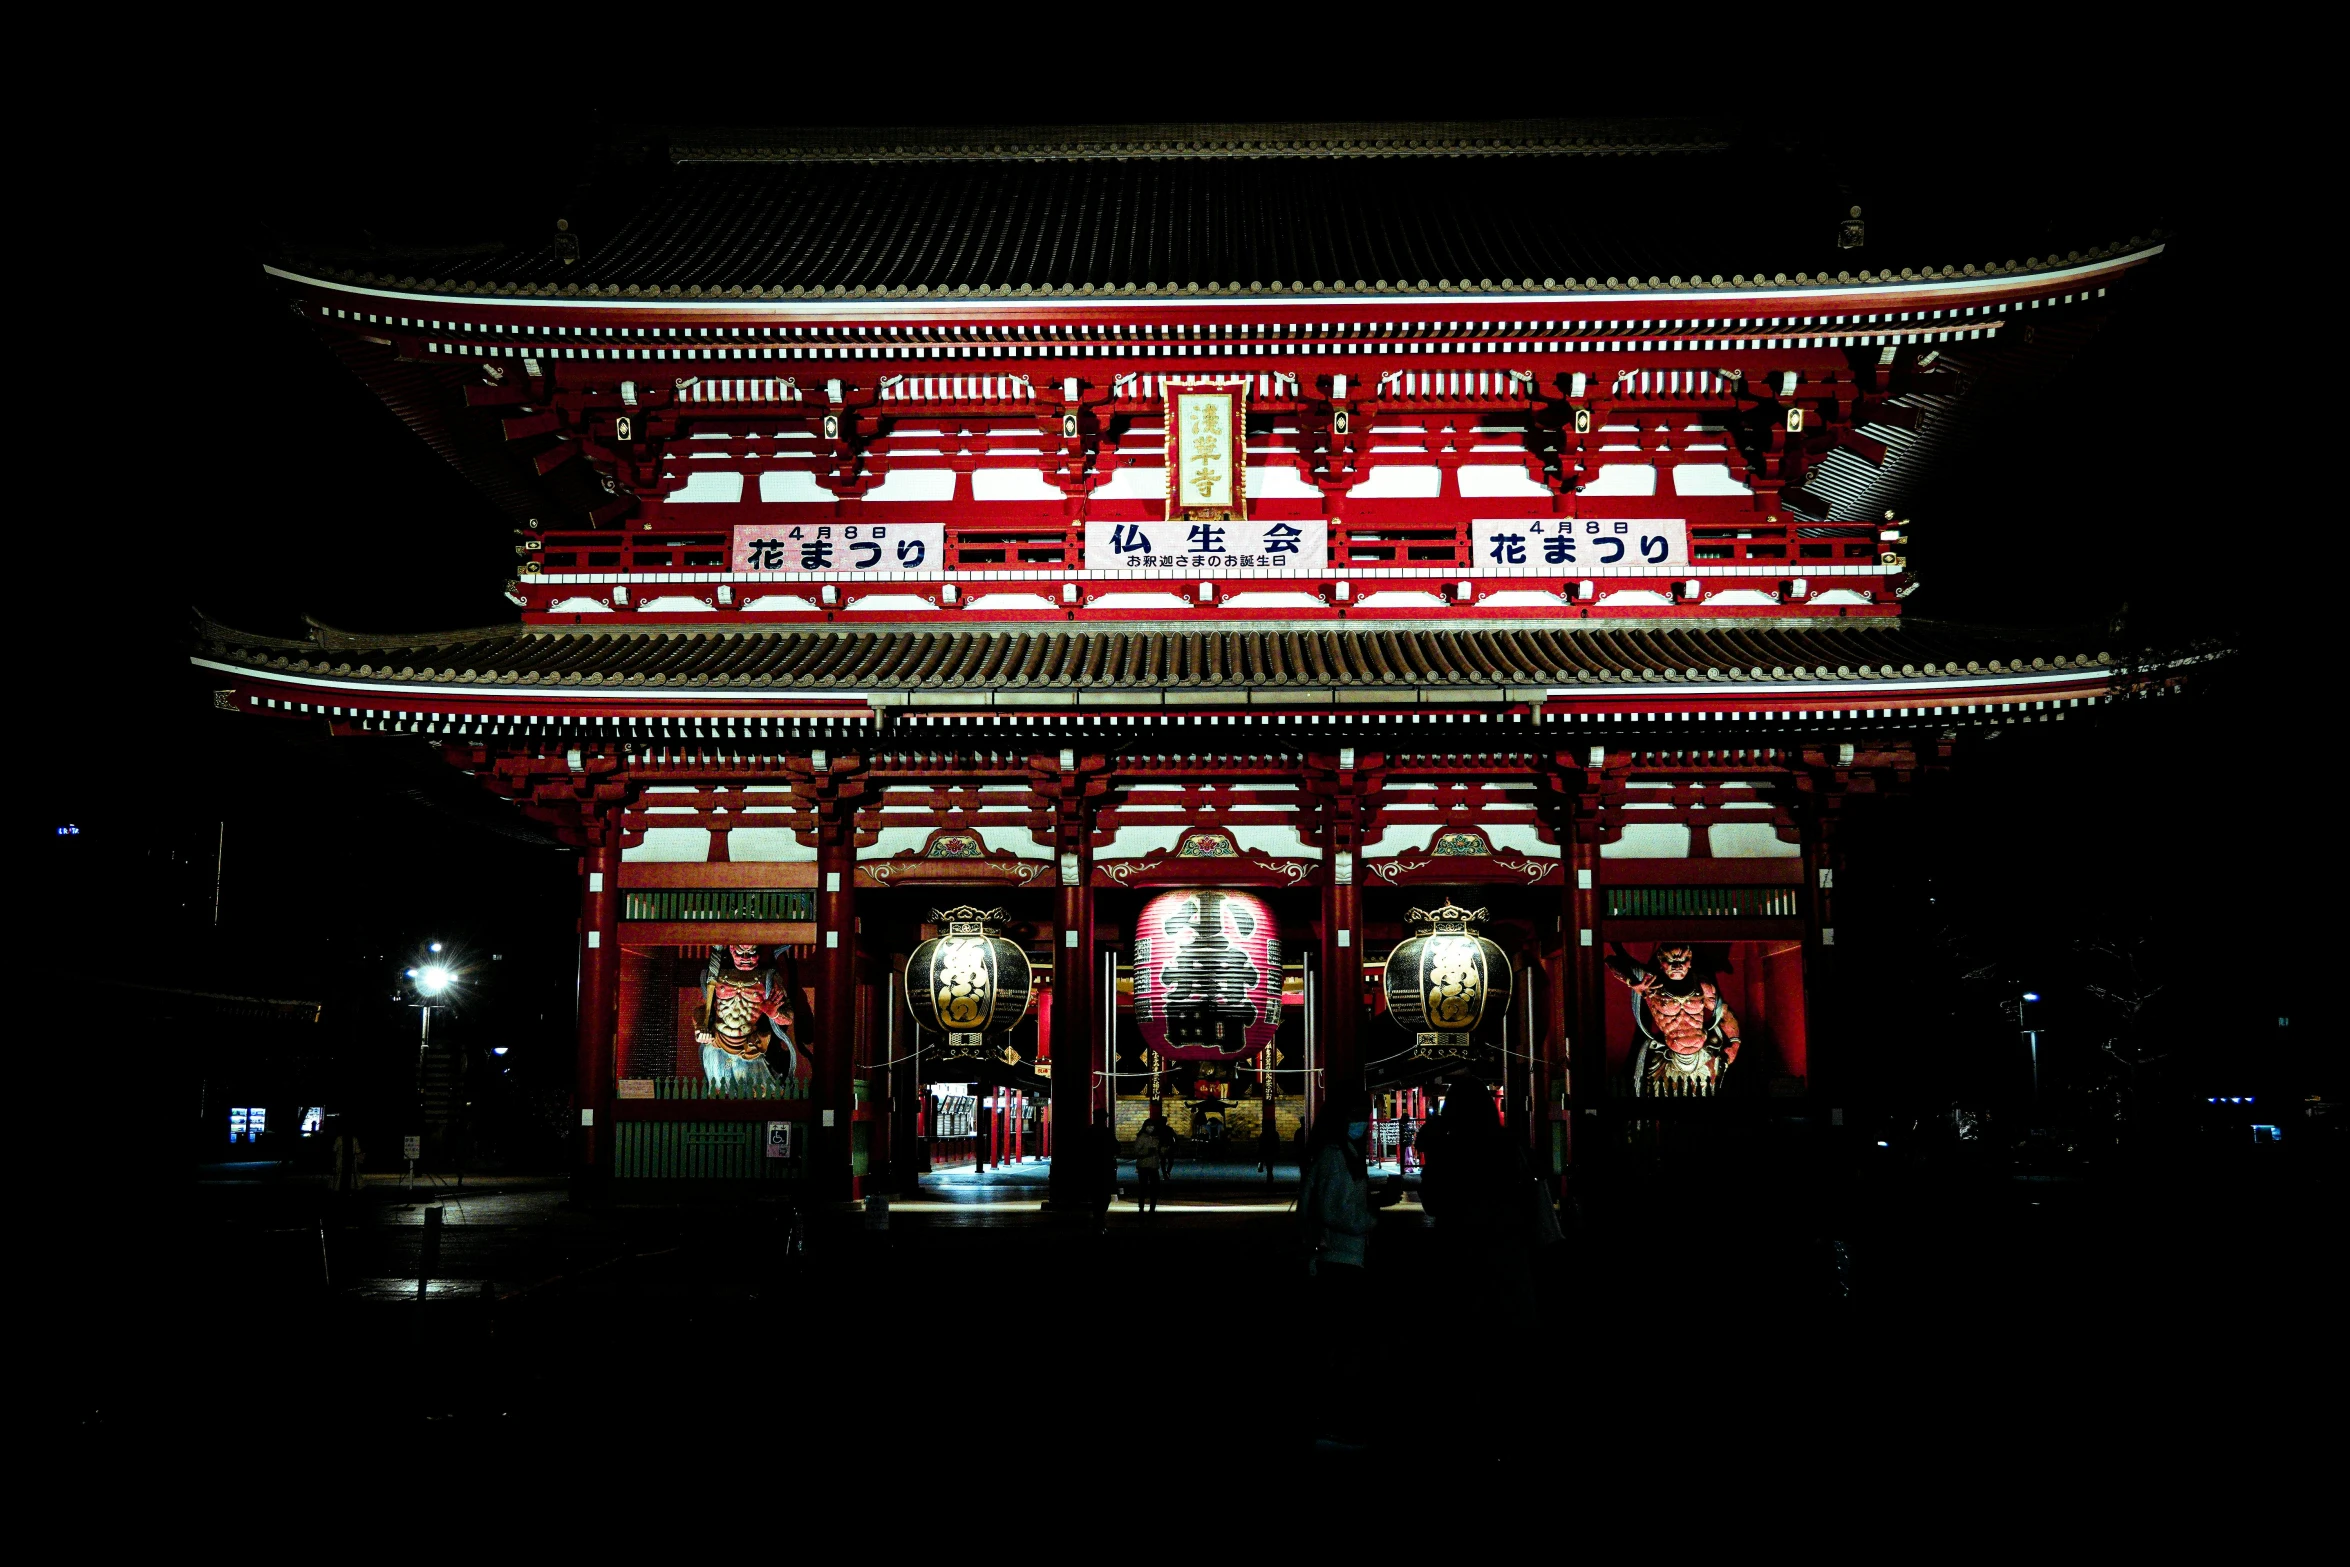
(1953, 288)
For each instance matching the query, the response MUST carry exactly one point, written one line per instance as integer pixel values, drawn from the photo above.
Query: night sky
(303, 494)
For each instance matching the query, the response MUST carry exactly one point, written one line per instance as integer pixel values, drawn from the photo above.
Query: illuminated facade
(1054, 523)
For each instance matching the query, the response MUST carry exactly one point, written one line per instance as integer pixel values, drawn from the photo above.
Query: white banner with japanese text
(879, 548)
(1552, 546)
(1223, 547)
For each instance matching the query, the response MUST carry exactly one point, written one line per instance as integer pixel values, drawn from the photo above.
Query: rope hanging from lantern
(1238, 1099)
(1518, 1055)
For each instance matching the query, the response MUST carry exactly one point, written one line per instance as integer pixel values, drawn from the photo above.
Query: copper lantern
(970, 982)
(1444, 982)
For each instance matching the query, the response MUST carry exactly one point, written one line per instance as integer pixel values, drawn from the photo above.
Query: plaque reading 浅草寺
(1207, 452)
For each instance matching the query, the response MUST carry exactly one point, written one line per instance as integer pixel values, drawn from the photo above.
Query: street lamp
(2032, 1043)
(434, 978)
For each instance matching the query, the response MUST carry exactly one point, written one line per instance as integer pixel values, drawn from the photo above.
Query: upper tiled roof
(1208, 139)
(1236, 210)
(1316, 658)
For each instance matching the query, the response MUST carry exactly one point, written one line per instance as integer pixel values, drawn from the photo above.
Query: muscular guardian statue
(746, 1010)
(1688, 1036)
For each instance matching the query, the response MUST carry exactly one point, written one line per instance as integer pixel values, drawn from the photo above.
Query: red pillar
(829, 1174)
(1822, 818)
(1585, 1002)
(1078, 1045)
(1342, 975)
(1584, 779)
(593, 1089)
(1346, 785)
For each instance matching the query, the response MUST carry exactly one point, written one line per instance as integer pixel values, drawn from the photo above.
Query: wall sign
(878, 549)
(1222, 546)
(1545, 546)
(1207, 432)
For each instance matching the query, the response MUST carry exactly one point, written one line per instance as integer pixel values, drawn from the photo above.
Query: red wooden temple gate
(867, 562)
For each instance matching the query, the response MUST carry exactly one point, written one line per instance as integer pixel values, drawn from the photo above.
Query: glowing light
(436, 946)
(2029, 995)
(1884, 1145)
(432, 979)
(498, 1050)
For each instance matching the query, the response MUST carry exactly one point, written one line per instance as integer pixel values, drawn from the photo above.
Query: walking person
(349, 1160)
(1268, 1141)
(1479, 1189)
(1154, 1144)
(1336, 1216)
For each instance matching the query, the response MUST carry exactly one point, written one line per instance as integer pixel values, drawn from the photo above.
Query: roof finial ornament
(566, 243)
(1852, 233)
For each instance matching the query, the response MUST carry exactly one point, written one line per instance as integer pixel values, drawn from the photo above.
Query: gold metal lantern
(970, 983)
(1446, 981)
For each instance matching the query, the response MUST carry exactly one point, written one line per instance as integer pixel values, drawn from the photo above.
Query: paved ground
(1693, 1331)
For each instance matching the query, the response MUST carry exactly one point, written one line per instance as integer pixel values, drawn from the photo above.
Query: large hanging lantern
(1207, 975)
(1445, 981)
(970, 983)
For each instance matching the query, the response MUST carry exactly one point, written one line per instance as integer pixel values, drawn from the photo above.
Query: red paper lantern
(1207, 975)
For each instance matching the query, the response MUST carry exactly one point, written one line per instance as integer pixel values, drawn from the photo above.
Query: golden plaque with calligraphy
(1207, 451)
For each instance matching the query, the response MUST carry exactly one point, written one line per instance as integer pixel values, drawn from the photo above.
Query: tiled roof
(1509, 208)
(1217, 139)
(1308, 658)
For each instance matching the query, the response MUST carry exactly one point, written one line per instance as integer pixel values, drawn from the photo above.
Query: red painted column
(1346, 785)
(1071, 786)
(1586, 973)
(1342, 972)
(593, 1088)
(1078, 1046)
(836, 1008)
(1824, 785)
(1582, 779)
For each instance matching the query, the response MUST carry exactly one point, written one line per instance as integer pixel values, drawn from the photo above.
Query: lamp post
(433, 978)
(2031, 1043)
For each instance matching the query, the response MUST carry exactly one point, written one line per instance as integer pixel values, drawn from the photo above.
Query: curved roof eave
(1950, 285)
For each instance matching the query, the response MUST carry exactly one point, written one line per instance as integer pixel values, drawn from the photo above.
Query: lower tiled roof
(1320, 657)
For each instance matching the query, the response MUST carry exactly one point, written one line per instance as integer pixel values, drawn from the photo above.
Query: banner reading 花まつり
(1540, 546)
(878, 548)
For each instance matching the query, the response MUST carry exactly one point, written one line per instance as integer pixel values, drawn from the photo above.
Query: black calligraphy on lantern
(1208, 971)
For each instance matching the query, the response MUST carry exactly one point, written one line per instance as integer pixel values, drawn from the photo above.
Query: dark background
(264, 483)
